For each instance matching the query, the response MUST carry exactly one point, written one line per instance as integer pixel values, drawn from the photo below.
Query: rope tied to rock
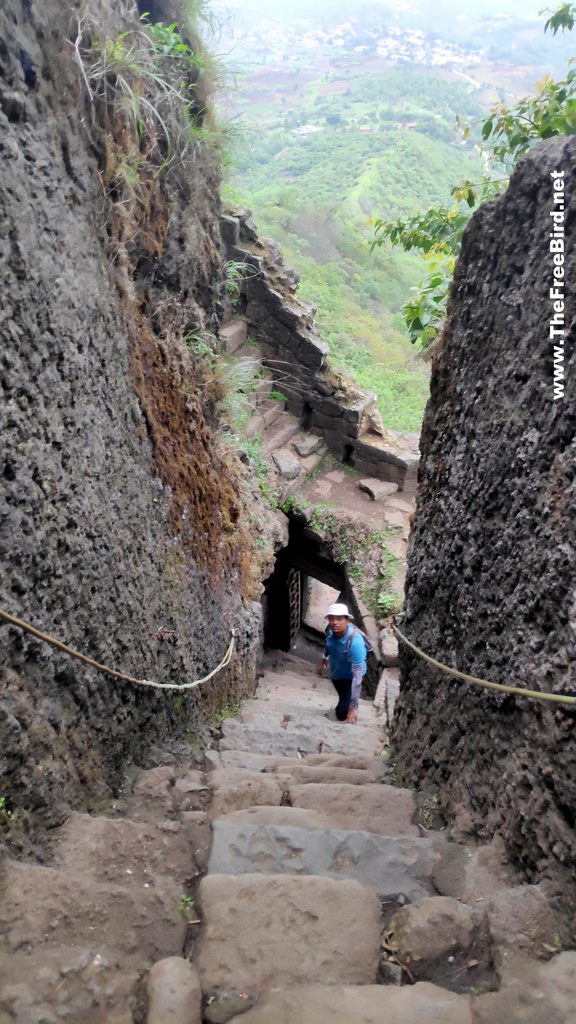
(112, 671)
(556, 698)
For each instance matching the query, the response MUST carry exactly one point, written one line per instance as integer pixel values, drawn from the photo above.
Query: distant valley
(351, 116)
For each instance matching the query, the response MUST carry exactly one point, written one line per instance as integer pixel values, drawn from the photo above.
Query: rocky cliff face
(492, 561)
(123, 523)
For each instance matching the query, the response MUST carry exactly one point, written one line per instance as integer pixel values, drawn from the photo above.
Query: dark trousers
(343, 688)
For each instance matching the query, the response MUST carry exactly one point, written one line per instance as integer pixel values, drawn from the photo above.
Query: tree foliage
(505, 135)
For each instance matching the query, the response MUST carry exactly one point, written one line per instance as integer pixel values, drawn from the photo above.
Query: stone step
(68, 982)
(136, 920)
(288, 465)
(266, 414)
(378, 808)
(121, 851)
(318, 737)
(306, 444)
(311, 462)
(262, 390)
(280, 713)
(346, 1004)
(233, 789)
(391, 866)
(282, 433)
(374, 767)
(234, 335)
(271, 411)
(266, 931)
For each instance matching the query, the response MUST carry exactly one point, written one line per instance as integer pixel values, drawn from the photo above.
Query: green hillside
(381, 145)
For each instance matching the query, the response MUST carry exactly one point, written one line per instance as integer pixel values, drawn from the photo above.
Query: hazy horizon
(297, 10)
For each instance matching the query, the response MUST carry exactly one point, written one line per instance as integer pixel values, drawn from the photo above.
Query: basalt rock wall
(123, 527)
(492, 559)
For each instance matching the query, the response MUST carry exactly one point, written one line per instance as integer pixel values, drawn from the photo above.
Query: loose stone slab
(288, 464)
(390, 866)
(383, 810)
(377, 489)
(369, 1004)
(266, 931)
(308, 444)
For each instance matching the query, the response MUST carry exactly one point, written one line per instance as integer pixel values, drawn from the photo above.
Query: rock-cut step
(299, 738)
(278, 435)
(269, 931)
(398, 868)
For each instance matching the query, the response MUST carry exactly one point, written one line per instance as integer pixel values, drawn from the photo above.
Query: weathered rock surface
(121, 524)
(390, 866)
(174, 993)
(270, 931)
(425, 1004)
(531, 993)
(235, 788)
(384, 810)
(444, 941)
(285, 742)
(54, 983)
(492, 556)
(139, 920)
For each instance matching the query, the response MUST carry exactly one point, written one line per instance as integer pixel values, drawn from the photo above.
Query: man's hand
(322, 667)
(352, 716)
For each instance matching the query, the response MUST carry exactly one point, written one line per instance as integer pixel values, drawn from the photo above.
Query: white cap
(338, 609)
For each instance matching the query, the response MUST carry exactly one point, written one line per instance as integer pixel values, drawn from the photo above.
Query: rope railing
(556, 698)
(28, 628)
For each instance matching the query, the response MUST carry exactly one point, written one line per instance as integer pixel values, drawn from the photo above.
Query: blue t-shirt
(340, 660)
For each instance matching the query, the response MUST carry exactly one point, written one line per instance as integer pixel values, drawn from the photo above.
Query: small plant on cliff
(236, 271)
(147, 88)
(234, 384)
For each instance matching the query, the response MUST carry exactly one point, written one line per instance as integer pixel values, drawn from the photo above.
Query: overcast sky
(286, 10)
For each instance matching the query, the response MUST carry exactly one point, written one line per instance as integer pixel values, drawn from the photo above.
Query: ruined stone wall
(326, 401)
(123, 528)
(492, 559)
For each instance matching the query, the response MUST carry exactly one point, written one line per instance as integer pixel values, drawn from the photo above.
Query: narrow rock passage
(294, 882)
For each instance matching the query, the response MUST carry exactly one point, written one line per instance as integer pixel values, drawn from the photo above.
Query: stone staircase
(292, 451)
(293, 882)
